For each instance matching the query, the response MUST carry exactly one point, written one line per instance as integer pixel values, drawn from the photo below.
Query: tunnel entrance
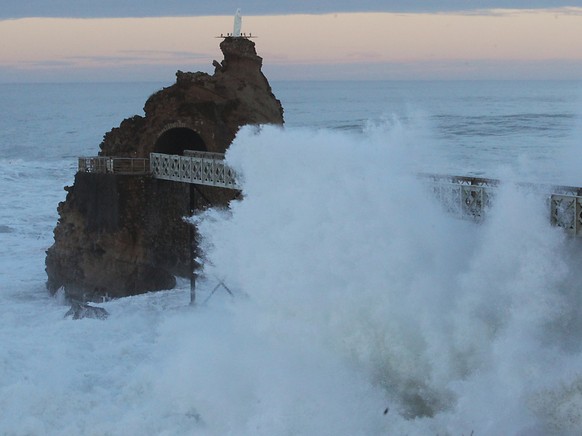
(178, 139)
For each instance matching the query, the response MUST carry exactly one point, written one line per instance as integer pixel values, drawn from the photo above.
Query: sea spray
(236, 365)
(569, 157)
(340, 247)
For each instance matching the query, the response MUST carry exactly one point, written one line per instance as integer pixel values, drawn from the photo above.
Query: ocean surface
(359, 306)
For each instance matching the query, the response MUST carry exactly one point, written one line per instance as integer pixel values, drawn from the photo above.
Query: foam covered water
(359, 306)
(460, 327)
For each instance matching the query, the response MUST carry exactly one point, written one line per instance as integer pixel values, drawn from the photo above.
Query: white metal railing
(114, 165)
(197, 167)
(566, 212)
(463, 197)
(471, 198)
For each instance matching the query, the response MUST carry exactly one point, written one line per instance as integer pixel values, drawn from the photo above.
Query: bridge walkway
(463, 197)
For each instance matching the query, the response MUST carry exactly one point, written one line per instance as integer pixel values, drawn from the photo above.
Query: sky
(156, 8)
(148, 40)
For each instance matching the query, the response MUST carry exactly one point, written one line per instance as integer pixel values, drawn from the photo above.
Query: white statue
(237, 24)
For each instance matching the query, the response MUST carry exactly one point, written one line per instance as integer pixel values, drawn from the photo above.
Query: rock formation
(120, 235)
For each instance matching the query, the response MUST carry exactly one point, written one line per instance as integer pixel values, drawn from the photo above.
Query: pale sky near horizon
(478, 44)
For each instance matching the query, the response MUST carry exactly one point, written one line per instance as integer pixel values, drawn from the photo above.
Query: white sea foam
(460, 326)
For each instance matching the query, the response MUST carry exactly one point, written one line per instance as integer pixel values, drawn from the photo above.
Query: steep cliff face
(120, 235)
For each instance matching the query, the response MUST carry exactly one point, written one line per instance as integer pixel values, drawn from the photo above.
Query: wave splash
(412, 321)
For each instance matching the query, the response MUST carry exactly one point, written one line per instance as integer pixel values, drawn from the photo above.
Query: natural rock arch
(178, 139)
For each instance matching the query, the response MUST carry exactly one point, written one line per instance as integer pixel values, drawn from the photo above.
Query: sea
(338, 297)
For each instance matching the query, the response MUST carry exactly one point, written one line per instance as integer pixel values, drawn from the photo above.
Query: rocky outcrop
(120, 235)
(200, 107)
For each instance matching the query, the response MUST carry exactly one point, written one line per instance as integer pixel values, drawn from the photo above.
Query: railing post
(577, 212)
(193, 247)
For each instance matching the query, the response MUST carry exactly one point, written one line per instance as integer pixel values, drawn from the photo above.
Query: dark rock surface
(124, 235)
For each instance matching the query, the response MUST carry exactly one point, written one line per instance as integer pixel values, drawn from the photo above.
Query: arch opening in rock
(178, 139)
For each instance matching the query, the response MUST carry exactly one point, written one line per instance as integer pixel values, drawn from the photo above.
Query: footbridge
(196, 167)
(463, 197)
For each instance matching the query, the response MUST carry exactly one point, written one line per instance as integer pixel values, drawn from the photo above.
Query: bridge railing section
(114, 165)
(471, 198)
(197, 167)
(463, 197)
(566, 212)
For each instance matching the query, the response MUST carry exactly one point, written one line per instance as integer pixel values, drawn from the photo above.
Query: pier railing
(196, 167)
(471, 198)
(566, 212)
(201, 168)
(463, 197)
(114, 165)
